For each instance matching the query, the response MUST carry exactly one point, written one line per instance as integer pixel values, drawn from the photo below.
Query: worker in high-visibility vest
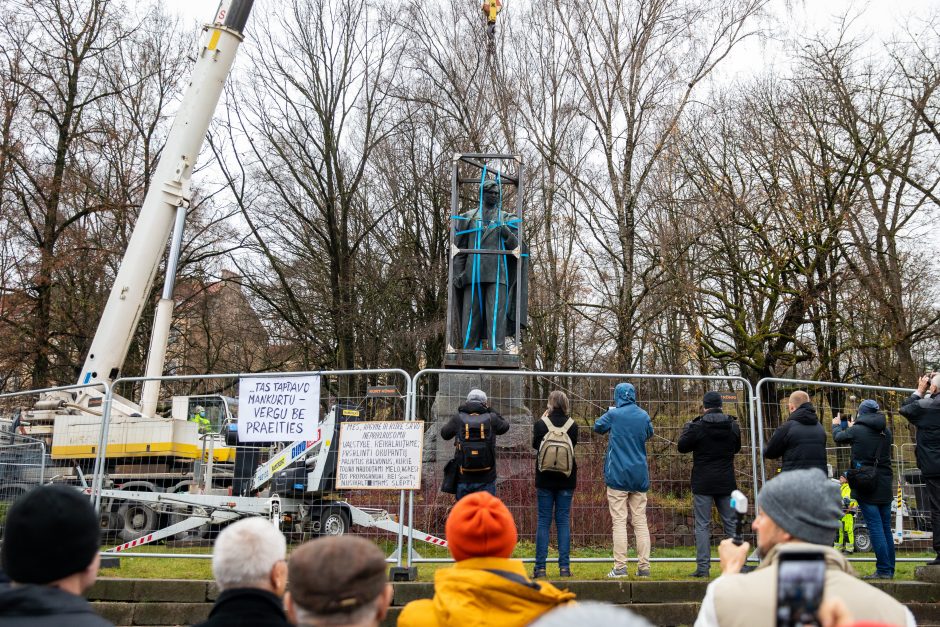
(846, 537)
(491, 9)
(199, 417)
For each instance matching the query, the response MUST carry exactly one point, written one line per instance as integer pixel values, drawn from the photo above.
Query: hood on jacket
(868, 406)
(716, 417)
(484, 591)
(805, 414)
(36, 600)
(870, 417)
(624, 394)
(473, 407)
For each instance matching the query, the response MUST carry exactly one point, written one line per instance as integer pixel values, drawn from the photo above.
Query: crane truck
(160, 471)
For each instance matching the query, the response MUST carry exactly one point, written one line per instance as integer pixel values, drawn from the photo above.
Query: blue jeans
(554, 504)
(878, 519)
(463, 489)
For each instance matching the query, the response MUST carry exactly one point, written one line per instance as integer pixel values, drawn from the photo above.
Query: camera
(801, 577)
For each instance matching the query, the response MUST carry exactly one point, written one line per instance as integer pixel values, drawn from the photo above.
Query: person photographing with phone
(922, 409)
(870, 478)
(800, 571)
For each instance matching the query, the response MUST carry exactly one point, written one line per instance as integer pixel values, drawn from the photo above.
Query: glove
(458, 282)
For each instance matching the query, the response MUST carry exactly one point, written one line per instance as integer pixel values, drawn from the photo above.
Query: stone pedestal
(505, 394)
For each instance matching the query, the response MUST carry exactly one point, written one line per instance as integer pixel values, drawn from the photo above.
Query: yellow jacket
(846, 492)
(471, 594)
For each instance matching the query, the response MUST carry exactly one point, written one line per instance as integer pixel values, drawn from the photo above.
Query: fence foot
(403, 573)
(108, 561)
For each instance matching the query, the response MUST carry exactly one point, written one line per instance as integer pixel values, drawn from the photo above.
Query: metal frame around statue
(467, 205)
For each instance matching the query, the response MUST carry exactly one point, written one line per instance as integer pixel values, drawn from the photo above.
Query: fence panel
(521, 397)
(29, 420)
(832, 399)
(184, 482)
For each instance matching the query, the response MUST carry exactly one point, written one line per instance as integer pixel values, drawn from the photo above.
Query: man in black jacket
(475, 426)
(50, 550)
(922, 409)
(871, 441)
(713, 439)
(250, 568)
(801, 440)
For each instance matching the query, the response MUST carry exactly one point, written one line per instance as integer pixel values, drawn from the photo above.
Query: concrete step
(185, 602)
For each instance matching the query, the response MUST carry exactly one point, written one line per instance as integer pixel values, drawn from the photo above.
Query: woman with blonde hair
(554, 436)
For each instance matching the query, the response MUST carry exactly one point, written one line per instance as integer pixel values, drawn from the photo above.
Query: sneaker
(642, 572)
(700, 574)
(616, 573)
(878, 576)
(538, 573)
(564, 572)
(934, 562)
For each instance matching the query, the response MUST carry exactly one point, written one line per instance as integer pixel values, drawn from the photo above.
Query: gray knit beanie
(591, 613)
(477, 395)
(804, 503)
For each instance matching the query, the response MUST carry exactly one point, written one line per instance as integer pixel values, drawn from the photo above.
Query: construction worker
(847, 528)
(199, 417)
(491, 9)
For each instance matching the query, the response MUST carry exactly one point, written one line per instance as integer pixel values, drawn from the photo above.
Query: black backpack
(475, 443)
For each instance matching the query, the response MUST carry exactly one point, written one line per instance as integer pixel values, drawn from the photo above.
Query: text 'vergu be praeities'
(278, 409)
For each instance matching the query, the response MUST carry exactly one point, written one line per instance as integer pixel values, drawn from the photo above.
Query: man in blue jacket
(627, 476)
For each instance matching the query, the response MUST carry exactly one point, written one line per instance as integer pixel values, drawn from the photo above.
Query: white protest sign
(380, 456)
(278, 409)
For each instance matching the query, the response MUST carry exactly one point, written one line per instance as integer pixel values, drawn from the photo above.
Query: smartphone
(801, 576)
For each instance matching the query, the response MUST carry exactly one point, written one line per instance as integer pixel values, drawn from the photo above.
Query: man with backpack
(554, 437)
(713, 439)
(475, 426)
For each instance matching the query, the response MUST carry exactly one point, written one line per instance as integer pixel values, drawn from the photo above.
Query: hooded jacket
(865, 437)
(629, 428)
(44, 606)
(924, 413)
(800, 441)
(713, 439)
(483, 592)
(497, 422)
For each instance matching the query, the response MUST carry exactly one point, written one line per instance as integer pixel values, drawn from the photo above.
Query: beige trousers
(630, 506)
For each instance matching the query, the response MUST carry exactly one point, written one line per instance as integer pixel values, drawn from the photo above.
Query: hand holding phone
(801, 578)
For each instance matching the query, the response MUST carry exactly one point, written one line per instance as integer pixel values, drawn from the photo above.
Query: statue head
(490, 193)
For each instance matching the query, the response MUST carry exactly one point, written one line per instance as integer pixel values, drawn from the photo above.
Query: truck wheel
(862, 541)
(138, 520)
(334, 522)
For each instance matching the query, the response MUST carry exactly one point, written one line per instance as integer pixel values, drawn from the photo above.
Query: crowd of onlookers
(51, 541)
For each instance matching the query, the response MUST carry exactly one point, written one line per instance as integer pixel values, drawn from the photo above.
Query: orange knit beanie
(480, 526)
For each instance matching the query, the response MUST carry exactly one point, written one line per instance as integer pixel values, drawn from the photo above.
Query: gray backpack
(556, 452)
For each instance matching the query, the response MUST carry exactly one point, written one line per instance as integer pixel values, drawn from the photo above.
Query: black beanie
(711, 400)
(50, 532)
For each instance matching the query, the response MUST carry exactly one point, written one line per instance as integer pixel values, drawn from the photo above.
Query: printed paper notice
(380, 456)
(278, 409)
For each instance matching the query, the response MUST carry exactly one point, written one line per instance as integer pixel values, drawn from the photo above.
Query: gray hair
(936, 381)
(591, 613)
(245, 553)
(362, 615)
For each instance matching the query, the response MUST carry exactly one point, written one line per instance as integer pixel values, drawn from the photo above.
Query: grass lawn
(189, 568)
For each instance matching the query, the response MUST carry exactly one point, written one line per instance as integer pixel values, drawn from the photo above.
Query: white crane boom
(168, 195)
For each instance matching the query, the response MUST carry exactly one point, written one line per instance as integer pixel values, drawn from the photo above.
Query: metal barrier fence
(521, 396)
(831, 399)
(173, 479)
(148, 474)
(27, 433)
